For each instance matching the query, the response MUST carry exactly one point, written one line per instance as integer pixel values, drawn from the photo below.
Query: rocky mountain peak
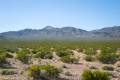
(49, 27)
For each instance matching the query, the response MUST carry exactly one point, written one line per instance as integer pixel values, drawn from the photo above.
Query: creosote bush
(2, 57)
(94, 75)
(69, 59)
(89, 58)
(44, 54)
(109, 50)
(80, 50)
(9, 55)
(108, 58)
(110, 68)
(90, 51)
(34, 71)
(22, 56)
(7, 72)
(11, 50)
(44, 72)
(63, 52)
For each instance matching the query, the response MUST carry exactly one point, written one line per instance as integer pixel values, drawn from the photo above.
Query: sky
(36, 14)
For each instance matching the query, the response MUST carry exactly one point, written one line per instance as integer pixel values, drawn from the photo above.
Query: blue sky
(36, 14)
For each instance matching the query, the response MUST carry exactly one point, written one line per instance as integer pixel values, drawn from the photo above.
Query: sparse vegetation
(77, 56)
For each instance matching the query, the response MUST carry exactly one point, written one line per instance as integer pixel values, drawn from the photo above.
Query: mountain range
(50, 32)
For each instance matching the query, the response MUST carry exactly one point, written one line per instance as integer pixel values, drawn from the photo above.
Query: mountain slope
(65, 32)
(110, 32)
(46, 32)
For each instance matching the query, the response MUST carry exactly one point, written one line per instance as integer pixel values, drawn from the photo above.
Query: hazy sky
(36, 14)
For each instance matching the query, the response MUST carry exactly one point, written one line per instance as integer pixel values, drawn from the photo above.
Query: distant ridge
(61, 33)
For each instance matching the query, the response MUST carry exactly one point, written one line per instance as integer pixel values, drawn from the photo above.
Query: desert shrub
(110, 68)
(34, 71)
(89, 58)
(11, 50)
(50, 71)
(90, 51)
(108, 58)
(9, 55)
(80, 50)
(2, 57)
(93, 67)
(109, 50)
(94, 75)
(7, 72)
(69, 59)
(22, 56)
(44, 72)
(44, 55)
(34, 51)
(62, 53)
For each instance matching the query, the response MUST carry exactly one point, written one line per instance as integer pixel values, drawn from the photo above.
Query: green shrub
(90, 51)
(50, 71)
(69, 59)
(89, 58)
(11, 50)
(44, 71)
(2, 57)
(44, 55)
(110, 68)
(22, 56)
(109, 50)
(80, 50)
(34, 71)
(34, 51)
(108, 58)
(9, 55)
(7, 72)
(62, 53)
(94, 75)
